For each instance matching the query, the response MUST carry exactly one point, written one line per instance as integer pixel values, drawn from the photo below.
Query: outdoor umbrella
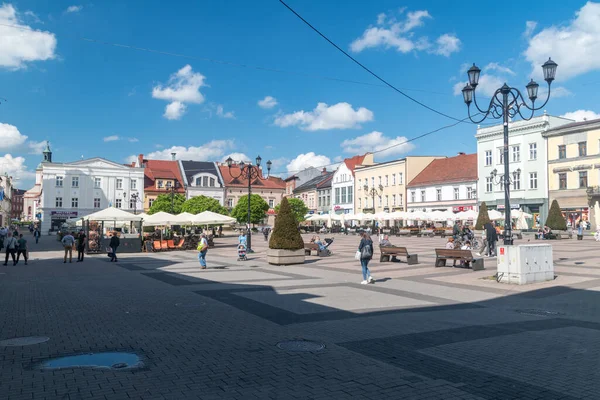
(161, 218)
(495, 215)
(112, 214)
(212, 218)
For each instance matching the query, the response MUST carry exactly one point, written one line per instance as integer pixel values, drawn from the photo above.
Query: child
(450, 243)
(466, 246)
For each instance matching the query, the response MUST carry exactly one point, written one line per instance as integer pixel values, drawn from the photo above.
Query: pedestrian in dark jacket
(114, 244)
(491, 237)
(366, 253)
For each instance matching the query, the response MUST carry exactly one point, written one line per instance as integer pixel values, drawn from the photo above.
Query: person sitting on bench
(386, 243)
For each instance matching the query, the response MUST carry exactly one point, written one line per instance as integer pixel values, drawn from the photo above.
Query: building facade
(308, 192)
(76, 189)
(390, 180)
(324, 195)
(160, 177)
(342, 183)
(574, 168)
(202, 178)
(16, 208)
(271, 189)
(446, 184)
(299, 179)
(528, 163)
(6, 193)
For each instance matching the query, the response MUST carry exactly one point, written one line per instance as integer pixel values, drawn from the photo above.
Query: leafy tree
(286, 235)
(166, 203)
(555, 220)
(199, 204)
(298, 207)
(258, 208)
(483, 217)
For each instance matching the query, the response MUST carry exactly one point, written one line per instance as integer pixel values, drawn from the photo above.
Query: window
(328, 198)
(205, 181)
(320, 201)
(438, 194)
(393, 200)
(59, 181)
(271, 203)
(58, 202)
(350, 194)
(359, 185)
(337, 196)
(379, 181)
(456, 194)
(562, 151)
(230, 203)
(380, 201)
(169, 184)
(400, 179)
(502, 183)
(516, 153)
(533, 180)
(582, 149)
(583, 179)
(212, 182)
(199, 182)
(489, 185)
(400, 198)
(132, 204)
(470, 193)
(387, 182)
(97, 183)
(422, 195)
(488, 157)
(500, 155)
(532, 151)
(517, 181)
(413, 197)
(366, 202)
(133, 184)
(75, 181)
(372, 181)
(74, 202)
(160, 184)
(119, 183)
(359, 203)
(562, 181)
(150, 202)
(96, 202)
(343, 195)
(118, 203)
(394, 177)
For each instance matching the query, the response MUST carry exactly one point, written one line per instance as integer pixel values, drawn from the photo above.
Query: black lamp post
(250, 172)
(134, 197)
(172, 190)
(506, 103)
(374, 192)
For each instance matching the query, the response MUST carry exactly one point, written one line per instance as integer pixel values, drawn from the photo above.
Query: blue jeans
(202, 259)
(364, 262)
(114, 254)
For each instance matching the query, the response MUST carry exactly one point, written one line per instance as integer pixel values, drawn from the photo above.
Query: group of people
(78, 240)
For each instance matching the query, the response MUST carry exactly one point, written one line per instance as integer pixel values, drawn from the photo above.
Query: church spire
(47, 153)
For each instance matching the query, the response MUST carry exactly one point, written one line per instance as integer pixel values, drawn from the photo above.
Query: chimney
(141, 160)
(324, 172)
(173, 156)
(460, 153)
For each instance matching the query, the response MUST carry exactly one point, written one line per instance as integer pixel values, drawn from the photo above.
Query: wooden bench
(427, 232)
(308, 247)
(441, 255)
(403, 232)
(388, 251)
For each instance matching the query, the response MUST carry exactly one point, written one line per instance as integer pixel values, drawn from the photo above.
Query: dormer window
(160, 184)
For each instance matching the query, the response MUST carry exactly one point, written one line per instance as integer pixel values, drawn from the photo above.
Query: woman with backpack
(366, 253)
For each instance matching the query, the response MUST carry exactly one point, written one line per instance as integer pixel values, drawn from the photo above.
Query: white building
(342, 184)
(202, 178)
(528, 165)
(6, 192)
(75, 189)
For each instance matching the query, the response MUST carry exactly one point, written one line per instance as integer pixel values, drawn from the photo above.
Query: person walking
(36, 235)
(114, 244)
(11, 248)
(22, 249)
(68, 241)
(80, 246)
(202, 249)
(366, 254)
(492, 238)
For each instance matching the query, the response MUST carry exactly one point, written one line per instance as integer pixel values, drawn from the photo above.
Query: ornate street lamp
(506, 103)
(373, 192)
(249, 172)
(134, 197)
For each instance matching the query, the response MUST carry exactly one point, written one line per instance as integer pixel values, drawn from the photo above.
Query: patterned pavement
(419, 332)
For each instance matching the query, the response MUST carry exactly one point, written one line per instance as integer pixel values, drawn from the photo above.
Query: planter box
(285, 257)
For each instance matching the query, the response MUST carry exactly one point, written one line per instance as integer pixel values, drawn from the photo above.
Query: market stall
(100, 226)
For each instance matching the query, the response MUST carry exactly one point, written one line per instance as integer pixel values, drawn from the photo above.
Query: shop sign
(462, 208)
(337, 208)
(63, 214)
(512, 206)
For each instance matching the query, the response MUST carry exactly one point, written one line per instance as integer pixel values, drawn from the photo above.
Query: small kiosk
(100, 226)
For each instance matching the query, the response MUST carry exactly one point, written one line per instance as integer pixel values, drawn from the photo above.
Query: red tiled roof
(267, 183)
(161, 169)
(462, 168)
(351, 163)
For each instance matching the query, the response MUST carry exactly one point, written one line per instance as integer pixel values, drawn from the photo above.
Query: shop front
(538, 208)
(58, 218)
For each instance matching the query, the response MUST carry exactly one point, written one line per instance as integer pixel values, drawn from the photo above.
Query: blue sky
(80, 94)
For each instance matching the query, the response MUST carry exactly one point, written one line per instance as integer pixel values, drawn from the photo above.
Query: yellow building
(389, 179)
(574, 168)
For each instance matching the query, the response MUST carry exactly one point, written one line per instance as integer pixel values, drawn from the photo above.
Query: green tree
(166, 203)
(483, 217)
(199, 204)
(555, 220)
(298, 207)
(258, 209)
(286, 235)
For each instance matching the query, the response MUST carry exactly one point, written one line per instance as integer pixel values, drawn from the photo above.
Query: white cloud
(36, 147)
(73, 9)
(391, 33)
(222, 114)
(210, 151)
(133, 140)
(236, 157)
(581, 115)
(15, 167)
(303, 161)
(174, 110)
(268, 102)
(376, 141)
(183, 87)
(576, 45)
(34, 18)
(337, 116)
(497, 67)
(10, 137)
(486, 87)
(20, 46)
(529, 28)
(556, 92)
(114, 138)
(111, 138)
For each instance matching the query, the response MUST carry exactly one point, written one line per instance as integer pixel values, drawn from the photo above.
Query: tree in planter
(298, 207)
(163, 203)
(285, 234)
(555, 220)
(483, 217)
(258, 209)
(200, 204)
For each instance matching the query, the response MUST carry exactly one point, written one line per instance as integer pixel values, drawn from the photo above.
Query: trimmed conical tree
(483, 217)
(555, 220)
(285, 234)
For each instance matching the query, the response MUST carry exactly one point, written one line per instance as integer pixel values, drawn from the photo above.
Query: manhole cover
(563, 258)
(300, 345)
(24, 341)
(579, 262)
(541, 313)
(95, 360)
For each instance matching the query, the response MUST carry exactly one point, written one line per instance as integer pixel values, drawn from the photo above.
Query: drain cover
(300, 345)
(541, 313)
(579, 262)
(563, 258)
(24, 341)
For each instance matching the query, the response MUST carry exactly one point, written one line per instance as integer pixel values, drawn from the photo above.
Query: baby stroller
(241, 249)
